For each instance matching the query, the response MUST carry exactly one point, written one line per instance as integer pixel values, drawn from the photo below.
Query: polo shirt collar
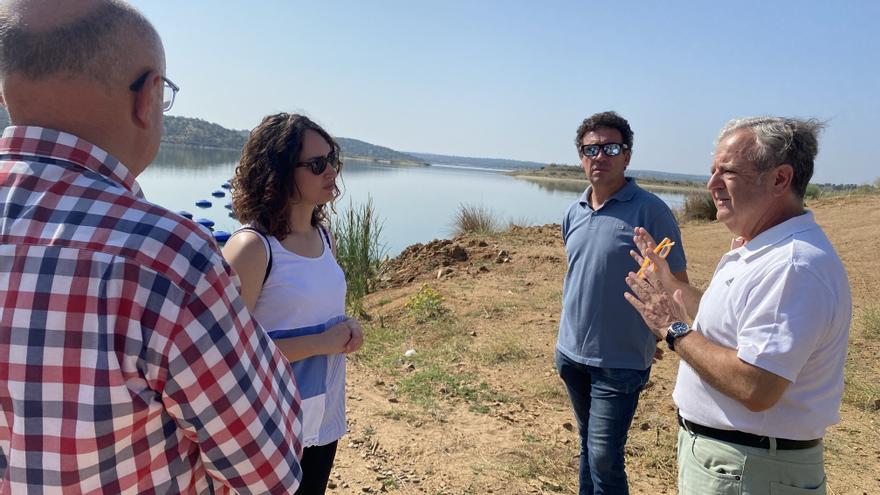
(775, 235)
(625, 193)
(36, 141)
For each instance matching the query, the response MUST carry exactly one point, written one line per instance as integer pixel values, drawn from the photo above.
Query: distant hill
(550, 169)
(469, 161)
(187, 131)
(557, 171)
(355, 148)
(197, 132)
(666, 176)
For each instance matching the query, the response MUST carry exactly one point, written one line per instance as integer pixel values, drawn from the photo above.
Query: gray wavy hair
(782, 140)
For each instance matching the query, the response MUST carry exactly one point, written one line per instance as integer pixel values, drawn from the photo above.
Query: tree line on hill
(187, 131)
(197, 132)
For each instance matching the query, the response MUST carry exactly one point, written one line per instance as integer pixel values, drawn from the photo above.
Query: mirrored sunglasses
(610, 149)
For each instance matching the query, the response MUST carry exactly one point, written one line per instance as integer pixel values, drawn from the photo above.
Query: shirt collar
(625, 193)
(775, 235)
(58, 145)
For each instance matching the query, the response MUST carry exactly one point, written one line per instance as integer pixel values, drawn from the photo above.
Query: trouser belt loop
(684, 424)
(772, 445)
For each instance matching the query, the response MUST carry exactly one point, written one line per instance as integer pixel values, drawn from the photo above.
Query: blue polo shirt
(598, 327)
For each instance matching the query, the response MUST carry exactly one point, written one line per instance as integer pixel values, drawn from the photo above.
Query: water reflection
(554, 185)
(417, 203)
(189, 158)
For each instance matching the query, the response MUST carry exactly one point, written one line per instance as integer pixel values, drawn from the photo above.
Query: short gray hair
(96, 46)
(782, 140)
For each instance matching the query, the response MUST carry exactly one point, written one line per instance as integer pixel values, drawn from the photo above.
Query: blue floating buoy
(218, 194)
(203, 203)
(228, 206)
(185, 214)
(205, 222)
(221, 236)
(226, 185)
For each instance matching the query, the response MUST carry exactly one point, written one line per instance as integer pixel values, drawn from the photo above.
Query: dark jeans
(604, 402)
(316, 464)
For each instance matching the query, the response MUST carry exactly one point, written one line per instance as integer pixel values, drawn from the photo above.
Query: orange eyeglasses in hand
(662, 250)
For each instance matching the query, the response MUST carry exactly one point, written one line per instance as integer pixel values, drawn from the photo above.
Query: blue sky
(514, 79)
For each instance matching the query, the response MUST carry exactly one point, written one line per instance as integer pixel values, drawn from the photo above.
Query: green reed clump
(698, 206)
(474, 218)
(359, 251)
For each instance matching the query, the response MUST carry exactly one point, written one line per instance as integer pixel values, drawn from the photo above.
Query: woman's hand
(357, 336)
(336, 338)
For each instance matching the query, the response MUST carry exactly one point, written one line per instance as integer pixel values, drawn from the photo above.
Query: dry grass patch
(868, 323)
(508, 350)
(860, 387)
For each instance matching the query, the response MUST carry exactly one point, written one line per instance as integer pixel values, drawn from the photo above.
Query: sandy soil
(478, 408)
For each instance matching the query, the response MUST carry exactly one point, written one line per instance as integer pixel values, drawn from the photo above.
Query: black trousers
(316, 464)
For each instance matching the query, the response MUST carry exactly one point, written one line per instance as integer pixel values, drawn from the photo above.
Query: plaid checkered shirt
(128, 362)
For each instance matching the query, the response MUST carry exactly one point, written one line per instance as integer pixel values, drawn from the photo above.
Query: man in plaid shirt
(128, 363)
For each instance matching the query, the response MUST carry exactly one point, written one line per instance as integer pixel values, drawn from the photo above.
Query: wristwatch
(676, 330)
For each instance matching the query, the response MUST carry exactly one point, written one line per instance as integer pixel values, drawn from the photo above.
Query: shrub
(471, 218)
(812, 192)
(426, 304)
(698, 206)
(359, 251)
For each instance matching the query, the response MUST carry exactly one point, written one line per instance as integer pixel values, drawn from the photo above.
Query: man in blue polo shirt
(605, 350)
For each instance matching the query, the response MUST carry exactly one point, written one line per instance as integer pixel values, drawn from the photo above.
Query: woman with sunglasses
(290, 280)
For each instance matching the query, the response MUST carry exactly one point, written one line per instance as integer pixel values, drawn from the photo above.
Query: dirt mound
(466, 254)
(441, 258)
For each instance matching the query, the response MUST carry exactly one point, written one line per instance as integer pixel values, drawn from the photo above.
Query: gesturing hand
(645, 244)
(654, 303)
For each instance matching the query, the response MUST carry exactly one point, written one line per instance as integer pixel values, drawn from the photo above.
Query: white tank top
(305, 296)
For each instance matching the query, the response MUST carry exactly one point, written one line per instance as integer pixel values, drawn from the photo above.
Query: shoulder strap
(326, 236)
(266, 244)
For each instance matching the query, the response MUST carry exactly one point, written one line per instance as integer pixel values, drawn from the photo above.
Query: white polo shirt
(783, 302)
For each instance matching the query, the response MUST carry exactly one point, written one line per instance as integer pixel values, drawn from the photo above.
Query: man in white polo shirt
(761, 371)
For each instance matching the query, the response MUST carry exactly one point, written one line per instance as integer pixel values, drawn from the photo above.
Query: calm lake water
(416, 204)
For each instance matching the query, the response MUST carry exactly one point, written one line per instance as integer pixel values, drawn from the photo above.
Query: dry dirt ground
(455, 390)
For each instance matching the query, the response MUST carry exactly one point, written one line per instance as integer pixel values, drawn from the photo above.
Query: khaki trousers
(707, 466)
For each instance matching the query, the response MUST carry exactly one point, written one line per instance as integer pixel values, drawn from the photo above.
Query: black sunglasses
(610, 149)
(319, 164)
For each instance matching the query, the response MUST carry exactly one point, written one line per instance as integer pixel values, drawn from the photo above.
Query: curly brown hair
(610, 120)
(263, 182)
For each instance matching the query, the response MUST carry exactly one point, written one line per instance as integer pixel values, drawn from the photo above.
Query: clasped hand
(346, 336)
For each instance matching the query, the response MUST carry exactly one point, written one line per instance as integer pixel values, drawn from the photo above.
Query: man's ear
(629, 155)
(145, 101)
(782, 178)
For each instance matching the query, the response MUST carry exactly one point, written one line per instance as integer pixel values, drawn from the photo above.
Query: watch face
(679, 327)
